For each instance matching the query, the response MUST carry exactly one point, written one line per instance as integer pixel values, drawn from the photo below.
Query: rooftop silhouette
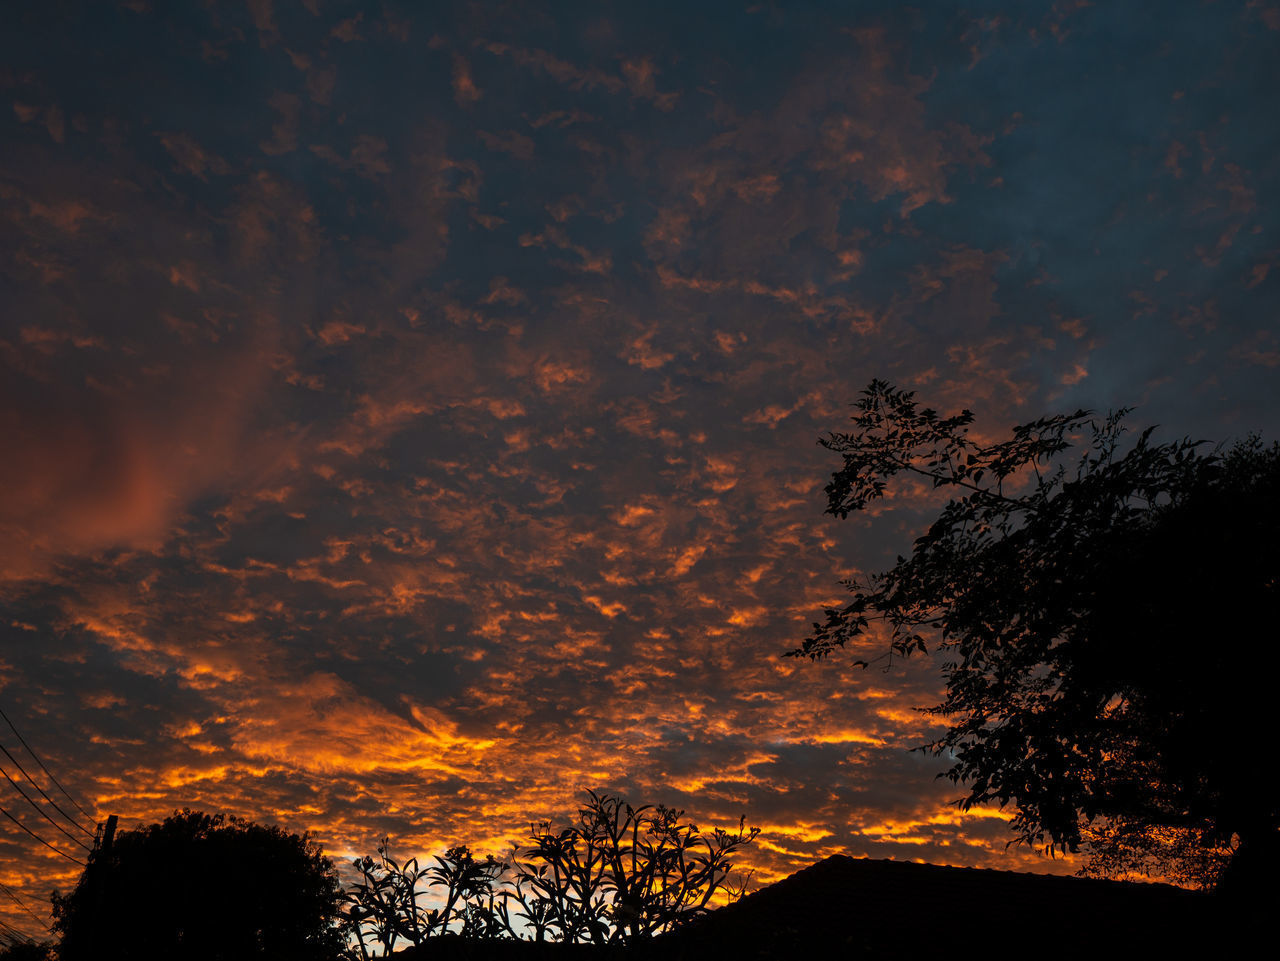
(880, 909)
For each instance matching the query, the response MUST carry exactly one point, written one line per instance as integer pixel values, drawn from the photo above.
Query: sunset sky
(409, 410)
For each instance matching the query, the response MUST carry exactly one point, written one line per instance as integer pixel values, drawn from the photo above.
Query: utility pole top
(108, 834)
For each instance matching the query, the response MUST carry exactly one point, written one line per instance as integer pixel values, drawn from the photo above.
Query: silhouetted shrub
(203, 888)
(383, 906)
(617, 875)
(27, 951)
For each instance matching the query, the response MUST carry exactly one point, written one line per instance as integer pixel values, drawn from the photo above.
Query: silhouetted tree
(623, 873)
(1106, 623)
(384, 907)
(618, 874)
(203, 888)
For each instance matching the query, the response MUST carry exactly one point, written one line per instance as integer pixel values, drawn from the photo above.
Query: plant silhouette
(203, 888)
(617, 875)
(1104, 627)
(384, 907)
(27, 951)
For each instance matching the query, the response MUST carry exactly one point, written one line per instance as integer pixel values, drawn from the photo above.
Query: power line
(70, 819)
(39, 838)
(12, 935)
(45, 769)
(22, 905)
(39, 810)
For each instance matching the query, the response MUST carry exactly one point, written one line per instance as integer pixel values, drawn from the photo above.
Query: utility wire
(34, 783)
(39, 838)
(91, 818)
(22, 905)
(12, 935)
(40, 810)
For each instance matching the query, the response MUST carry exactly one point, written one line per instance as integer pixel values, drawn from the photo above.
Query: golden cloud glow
(411, 471)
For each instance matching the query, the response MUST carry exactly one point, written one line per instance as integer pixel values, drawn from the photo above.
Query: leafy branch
(617, 875)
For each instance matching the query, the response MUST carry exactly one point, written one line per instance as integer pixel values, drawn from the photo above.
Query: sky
(409, 411)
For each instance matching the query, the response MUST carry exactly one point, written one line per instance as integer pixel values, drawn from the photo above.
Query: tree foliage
(203, 888)
(1105, 617)
(616, 875)
(386, 905)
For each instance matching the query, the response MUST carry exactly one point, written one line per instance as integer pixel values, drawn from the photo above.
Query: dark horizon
(410, 417)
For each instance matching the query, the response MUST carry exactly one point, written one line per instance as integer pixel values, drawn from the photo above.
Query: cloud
(465, 90)
(108, 464)
(411, 423)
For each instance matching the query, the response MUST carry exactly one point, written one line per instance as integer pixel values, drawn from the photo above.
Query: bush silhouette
(617, 875)
(202, 887)
(27, 951)
(383, 906)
